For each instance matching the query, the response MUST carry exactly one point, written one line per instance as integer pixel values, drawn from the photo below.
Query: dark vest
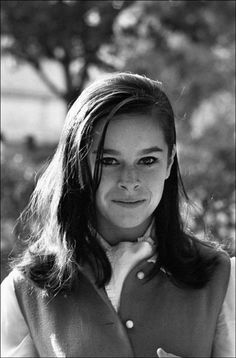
(83, 323)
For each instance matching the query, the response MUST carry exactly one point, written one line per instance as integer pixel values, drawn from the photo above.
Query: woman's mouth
(129, 204)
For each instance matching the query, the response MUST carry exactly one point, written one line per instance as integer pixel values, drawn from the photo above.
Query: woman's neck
(114, 234)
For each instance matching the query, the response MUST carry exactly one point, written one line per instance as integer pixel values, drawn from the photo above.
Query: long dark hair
(62, 208)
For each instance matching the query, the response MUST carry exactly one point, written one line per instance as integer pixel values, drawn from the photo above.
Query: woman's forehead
(128, 130)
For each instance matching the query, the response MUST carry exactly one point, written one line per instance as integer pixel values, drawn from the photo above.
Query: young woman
(109, 270)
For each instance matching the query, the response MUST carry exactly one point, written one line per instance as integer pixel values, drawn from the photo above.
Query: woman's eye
(148, 160)
(109, 161)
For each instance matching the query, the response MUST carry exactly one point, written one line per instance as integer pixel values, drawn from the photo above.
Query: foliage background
(187, 45)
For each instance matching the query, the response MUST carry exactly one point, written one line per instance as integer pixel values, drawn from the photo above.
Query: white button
(129, 323)
(140, 275)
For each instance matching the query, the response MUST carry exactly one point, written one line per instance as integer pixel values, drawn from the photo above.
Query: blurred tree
(187, 45)
(19, 166)
(72, 33)
(208, 168)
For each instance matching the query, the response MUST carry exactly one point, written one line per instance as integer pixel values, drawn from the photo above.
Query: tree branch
(47, 81)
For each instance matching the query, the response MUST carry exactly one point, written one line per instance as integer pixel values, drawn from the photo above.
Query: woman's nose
(129, 179)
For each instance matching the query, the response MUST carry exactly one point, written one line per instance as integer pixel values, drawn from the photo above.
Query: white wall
(39, 117)
(27, 105)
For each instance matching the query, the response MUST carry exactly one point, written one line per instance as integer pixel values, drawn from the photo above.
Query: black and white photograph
(118, 178)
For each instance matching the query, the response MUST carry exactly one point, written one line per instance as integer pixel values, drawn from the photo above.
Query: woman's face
(135, 166)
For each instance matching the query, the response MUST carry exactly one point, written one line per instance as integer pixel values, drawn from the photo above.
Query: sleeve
(224, 342)
(15, 337)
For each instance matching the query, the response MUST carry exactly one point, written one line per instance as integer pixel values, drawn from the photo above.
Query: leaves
(64, 31)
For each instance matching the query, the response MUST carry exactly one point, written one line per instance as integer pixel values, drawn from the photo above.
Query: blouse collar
(149, 233)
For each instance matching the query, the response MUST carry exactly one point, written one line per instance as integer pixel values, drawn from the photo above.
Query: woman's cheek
(151, 175)
(108, 181)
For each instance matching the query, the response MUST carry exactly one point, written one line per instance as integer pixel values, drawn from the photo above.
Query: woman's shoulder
(14, 278)
(13, 275)
(8, 292)
(232, 272)
(15, 338)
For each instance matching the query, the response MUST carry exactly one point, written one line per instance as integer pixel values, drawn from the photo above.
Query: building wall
(23, 116)
(28, 108)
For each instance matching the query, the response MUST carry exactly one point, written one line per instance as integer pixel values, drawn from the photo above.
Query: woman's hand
(162, 354)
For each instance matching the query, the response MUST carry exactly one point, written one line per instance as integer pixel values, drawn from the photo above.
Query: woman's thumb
(162, 354)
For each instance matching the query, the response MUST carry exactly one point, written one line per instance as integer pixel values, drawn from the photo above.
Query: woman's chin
(129, 224)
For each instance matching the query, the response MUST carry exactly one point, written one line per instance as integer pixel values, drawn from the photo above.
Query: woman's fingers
(162, 354)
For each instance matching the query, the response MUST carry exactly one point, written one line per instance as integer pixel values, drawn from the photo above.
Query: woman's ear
(170, 161)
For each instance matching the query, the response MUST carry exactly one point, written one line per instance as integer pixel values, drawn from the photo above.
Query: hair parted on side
(62, 207)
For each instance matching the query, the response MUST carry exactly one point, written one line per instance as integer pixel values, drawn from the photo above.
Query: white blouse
(15, 336)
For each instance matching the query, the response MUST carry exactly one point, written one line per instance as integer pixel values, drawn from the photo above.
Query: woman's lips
(129, 204)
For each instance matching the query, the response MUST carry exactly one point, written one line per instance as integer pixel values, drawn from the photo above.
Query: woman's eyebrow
(150, 150)
(141, 152)
(108, 151)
